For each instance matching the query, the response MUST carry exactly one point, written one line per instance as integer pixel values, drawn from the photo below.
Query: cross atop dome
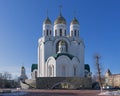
(60, 19)
(60, 6)
(47, 20)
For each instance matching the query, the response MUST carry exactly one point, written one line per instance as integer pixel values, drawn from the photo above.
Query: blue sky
(21, 26)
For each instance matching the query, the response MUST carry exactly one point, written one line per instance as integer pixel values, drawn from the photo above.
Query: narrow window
(74, 71)
(55, 32)
(78, 33)
(60, 32)
(47, 32)
(71, 33)
(65, 32)
(75, 33)
(50, 32)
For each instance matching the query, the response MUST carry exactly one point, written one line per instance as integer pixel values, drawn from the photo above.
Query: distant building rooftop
(87, 67)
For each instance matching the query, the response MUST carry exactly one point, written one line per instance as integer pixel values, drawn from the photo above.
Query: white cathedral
(60, 54)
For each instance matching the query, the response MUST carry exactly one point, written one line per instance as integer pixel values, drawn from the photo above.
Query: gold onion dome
(60, 20)
(74, 21)
(62, 42)
(47, 21)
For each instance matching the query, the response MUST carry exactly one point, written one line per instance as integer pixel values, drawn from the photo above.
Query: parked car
(117, 88)
(107, 87)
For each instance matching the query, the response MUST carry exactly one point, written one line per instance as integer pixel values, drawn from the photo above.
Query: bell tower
(74, 28)
(47, 27)
(60, 26)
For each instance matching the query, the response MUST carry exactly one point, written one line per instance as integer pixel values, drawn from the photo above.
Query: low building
(112, 79)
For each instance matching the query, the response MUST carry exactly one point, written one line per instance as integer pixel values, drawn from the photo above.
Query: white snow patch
(110, 93)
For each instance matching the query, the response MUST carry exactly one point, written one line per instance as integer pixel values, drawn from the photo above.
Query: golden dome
(47, 21)
(60, 20)
(74, 21)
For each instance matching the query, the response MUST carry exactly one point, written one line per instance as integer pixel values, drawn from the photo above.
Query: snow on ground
(110, 93)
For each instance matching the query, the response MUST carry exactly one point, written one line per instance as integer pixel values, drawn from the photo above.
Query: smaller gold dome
(74, 21)
(60, 20)
(47, 21)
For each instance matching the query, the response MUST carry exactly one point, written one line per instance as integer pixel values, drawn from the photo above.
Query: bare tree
(98, 68)
(7, 76)
(5, 79)
(0, 80)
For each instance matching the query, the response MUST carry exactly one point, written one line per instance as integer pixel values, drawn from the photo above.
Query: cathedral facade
(61, 53)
